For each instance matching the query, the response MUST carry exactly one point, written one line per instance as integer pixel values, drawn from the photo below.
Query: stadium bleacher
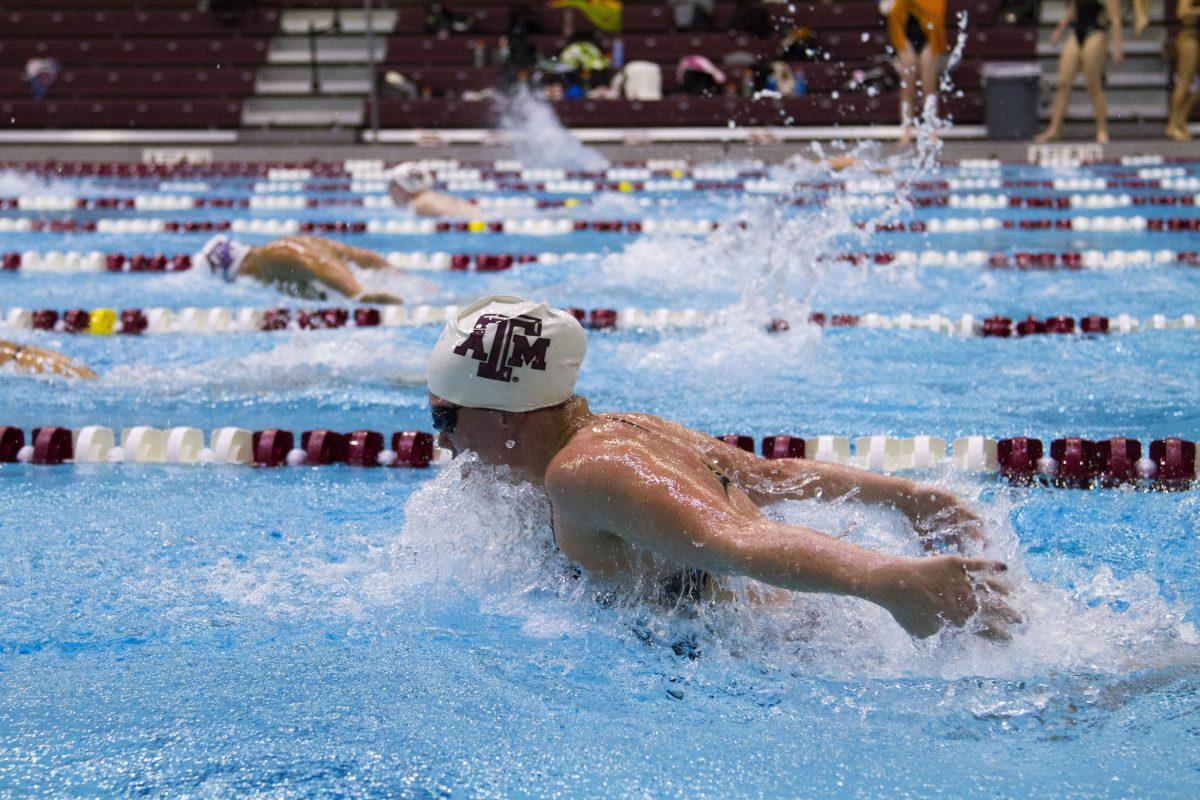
(176, 64)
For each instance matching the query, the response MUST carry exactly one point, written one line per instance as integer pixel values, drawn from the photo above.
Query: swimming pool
(208, 631)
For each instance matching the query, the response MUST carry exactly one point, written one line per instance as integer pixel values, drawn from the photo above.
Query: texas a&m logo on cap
(517, 343)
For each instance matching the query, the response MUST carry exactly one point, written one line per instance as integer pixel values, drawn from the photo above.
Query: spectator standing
(1187, 47)
(1095, 27)
(693, 15)
(750, 17)
(917, 32)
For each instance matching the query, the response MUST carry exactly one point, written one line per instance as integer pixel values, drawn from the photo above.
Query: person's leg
(1093, 58)
(1187, 48)
(1068, 68)
(929, 80)
(906, 66)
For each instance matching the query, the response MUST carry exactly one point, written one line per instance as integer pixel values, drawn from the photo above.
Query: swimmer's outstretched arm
(367, 259)
(934, 513)
(649, 504)
(299, 261)
(40, 361)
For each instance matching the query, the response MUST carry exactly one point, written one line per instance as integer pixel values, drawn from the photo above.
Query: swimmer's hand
(924, 594)
(939, 517)
(382, 298)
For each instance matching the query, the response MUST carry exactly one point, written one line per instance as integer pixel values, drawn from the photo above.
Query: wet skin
(433, 204)
(296, 263)
(38, 360)
(645, 499)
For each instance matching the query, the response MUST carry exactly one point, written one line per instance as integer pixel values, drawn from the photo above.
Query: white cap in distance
(411, 176)
(508, 354)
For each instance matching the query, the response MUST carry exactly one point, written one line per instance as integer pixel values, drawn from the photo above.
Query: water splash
(501, 553)
(765, 263)
(306, 362)
(538, 138)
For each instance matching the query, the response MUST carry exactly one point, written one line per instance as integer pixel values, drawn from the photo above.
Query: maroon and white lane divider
(216, 320)
(559, 226)
(227, 445)
(96, 261)
(1075, 462)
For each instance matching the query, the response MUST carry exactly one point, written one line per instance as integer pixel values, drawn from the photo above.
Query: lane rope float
(222, 319)
(1070, 462)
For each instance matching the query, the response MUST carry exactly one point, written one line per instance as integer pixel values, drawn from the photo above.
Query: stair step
(331, 80)
(298, 20)
(330, 50)
(302, 112)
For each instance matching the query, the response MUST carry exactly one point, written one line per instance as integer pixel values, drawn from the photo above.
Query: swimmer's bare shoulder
(631, 483)
(574, 480)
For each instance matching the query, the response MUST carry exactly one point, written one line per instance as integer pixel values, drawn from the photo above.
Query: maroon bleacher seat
(208, 52)
(121, 113)
(129, 23)
(134, 82)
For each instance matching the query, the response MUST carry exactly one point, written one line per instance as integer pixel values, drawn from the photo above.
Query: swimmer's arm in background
(297, 262)
(367, 259)
(935, 514)
(40, 361)
(436, 204)
(649, 505)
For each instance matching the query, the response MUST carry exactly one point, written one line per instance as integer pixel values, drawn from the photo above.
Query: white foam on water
(538, 138)
(303, 361)
(473, 532)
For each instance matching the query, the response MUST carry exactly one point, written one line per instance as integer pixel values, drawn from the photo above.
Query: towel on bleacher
(604, 14)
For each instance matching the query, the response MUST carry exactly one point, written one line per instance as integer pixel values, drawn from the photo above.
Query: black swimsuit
(915, 34)
(1089, 16)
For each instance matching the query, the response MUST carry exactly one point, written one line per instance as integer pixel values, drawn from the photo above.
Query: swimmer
(1186, 93)
(40, 361)
(294, 263)
(1095, 27)
(917, 32)
(636, 496)
(411, 186)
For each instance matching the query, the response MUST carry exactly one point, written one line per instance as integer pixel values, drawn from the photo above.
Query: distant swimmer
(411, 186)
(295, 263)
(40, 361)
(637, 496)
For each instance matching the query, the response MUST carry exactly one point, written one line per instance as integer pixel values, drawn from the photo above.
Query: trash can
(1011, 99)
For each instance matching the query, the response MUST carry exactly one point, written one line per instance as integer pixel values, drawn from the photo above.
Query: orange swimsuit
(917, 23)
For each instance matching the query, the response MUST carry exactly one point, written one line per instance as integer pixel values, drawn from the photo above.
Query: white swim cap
(508, 354)
(223, 255)
(412, 177)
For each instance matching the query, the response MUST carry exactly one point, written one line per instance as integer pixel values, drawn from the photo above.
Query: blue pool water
(207, 631)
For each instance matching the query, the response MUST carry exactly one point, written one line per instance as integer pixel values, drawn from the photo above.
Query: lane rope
(221, 319)
(97, 261)
(1069, 462)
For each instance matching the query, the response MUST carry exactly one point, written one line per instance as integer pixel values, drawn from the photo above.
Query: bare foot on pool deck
(1178, 134)
(1047, 136)
(1101, 137)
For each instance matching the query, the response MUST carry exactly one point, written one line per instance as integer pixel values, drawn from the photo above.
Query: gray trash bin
(1011, 97)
